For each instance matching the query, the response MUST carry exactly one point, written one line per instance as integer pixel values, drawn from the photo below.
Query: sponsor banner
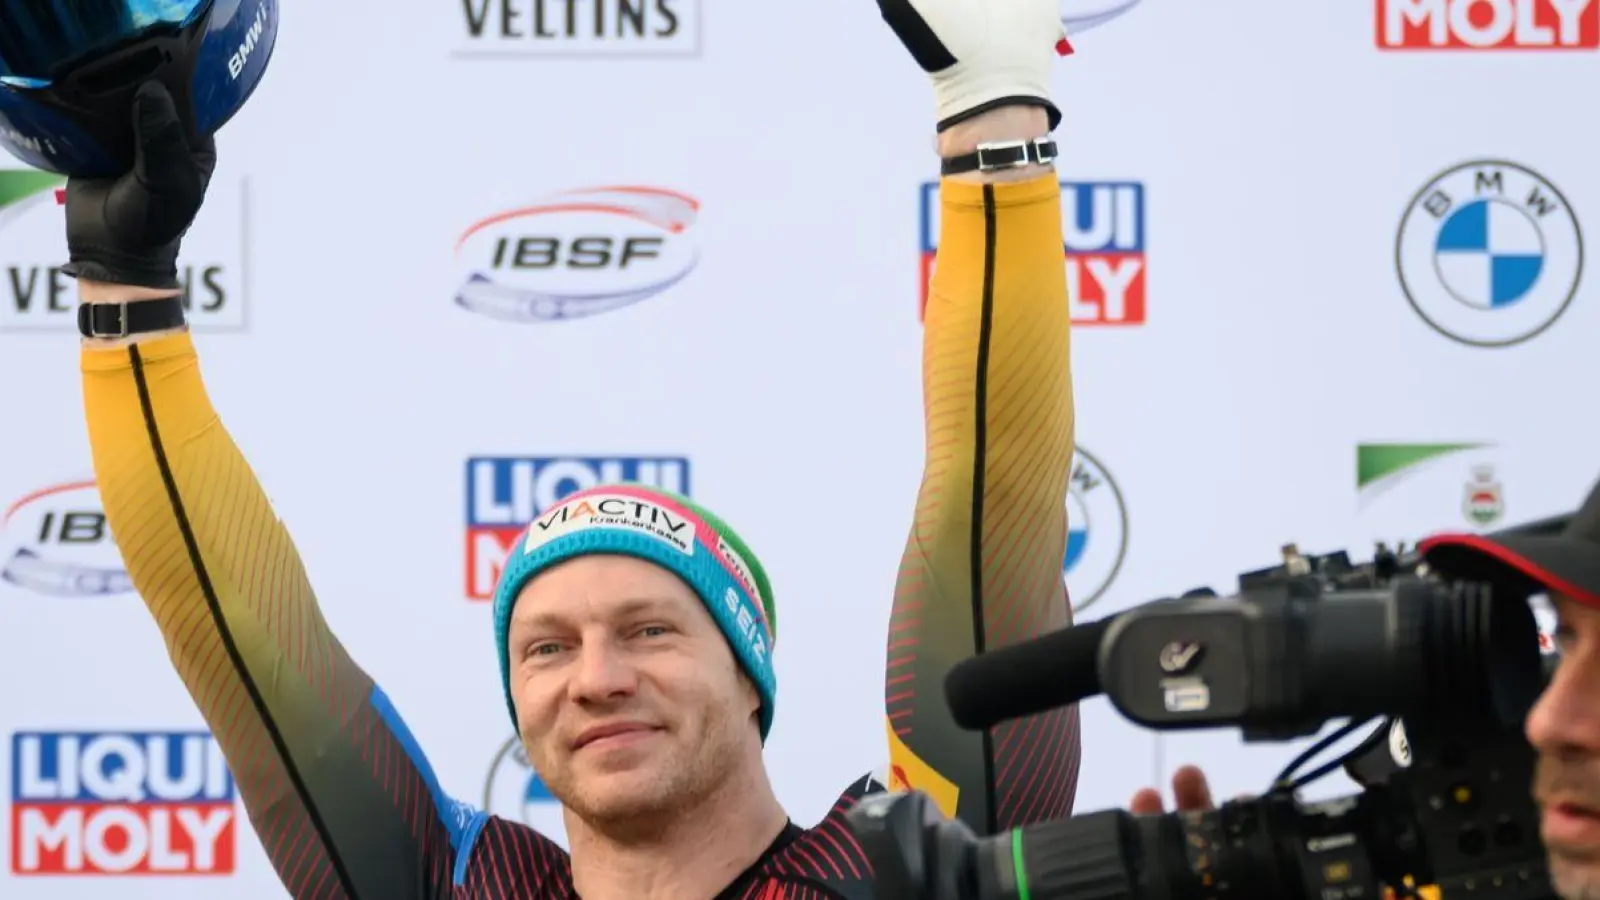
(1489, 253)
(1468, 25)
(1097, 531)
(577, 254)
(1103, 232)
(56, 542)
(595, 28)
(120, 803)
(1406, 491)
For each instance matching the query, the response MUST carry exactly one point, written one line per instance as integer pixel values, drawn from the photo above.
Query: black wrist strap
(1002, 155)
(120, 320)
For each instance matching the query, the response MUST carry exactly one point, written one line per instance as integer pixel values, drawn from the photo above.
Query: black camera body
(1447, 670)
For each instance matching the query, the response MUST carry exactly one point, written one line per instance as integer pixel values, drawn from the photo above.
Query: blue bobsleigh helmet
(69, 68)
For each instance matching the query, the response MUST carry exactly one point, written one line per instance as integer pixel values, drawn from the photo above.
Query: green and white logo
(1415, 488)
(21, 189)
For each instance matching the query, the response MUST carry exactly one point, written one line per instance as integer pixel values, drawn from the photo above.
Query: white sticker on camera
(1186, 695)
(1399, 747)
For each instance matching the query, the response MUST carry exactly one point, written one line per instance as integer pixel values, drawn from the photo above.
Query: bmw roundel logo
(515, 793)
(1489, 253)
(1097, 531)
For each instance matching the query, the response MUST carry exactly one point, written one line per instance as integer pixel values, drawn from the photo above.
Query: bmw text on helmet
(65, 115)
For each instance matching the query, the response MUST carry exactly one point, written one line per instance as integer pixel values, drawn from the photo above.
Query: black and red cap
(1564, 561)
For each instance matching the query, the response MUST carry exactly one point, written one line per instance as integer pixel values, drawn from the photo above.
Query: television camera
(1443, 671)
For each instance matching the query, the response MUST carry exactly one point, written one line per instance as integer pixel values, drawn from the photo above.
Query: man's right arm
(341, 797)
(343, 800)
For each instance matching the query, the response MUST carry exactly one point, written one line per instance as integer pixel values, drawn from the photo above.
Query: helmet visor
(41, 38)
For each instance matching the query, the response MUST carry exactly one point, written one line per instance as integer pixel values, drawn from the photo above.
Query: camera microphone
(1053, 670)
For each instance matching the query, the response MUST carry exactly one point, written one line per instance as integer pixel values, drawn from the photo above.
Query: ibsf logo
(515, 792)
(1489, 253)
(55, 542)
(1102, 227)
(1488, 24)
(505, 495)
(1097, 531)
(36, 296)
(498, 28)
(577, 254)
(1081, 15)
(118, 803)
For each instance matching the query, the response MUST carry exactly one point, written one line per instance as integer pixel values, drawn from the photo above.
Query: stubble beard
(1574, 872)
(676, 782)
(1574, 879)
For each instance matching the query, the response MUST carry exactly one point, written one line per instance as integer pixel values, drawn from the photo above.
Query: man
(1564, 725)
(633, 628)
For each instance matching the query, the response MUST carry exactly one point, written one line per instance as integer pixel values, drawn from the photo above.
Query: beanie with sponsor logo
(666, 529)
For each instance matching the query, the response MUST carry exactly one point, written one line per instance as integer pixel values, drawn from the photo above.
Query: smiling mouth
(616, 737)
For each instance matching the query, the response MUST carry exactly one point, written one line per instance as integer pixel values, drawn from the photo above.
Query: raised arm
(341, 797)
(982, 567)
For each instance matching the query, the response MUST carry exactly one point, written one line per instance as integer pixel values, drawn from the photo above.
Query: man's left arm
(982, 566)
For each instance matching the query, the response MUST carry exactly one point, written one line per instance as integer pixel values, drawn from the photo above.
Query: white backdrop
(1273, 155)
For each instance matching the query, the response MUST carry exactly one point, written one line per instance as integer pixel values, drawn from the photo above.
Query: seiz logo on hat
(750, 629)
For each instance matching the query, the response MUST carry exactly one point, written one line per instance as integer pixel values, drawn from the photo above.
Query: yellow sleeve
(983, 565)
(343, 801)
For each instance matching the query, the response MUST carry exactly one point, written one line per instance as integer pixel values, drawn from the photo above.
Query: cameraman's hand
(1189, 786)
(127, 230)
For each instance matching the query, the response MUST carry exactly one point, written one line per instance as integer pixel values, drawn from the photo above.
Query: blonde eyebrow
(630, 607)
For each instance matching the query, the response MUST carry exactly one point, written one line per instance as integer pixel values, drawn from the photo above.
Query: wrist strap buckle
(103, 320)
(1015, 154)
(126, 319)
(994, 155)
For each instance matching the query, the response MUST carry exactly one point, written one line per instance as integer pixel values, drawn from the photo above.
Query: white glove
(982, 54)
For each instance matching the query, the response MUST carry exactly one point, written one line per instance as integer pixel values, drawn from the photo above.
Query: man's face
(628, 698)
(1564, 727)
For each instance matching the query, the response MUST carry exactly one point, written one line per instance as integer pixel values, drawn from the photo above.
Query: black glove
(127, 230)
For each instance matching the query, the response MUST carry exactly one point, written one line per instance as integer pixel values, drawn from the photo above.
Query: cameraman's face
(1564, 727)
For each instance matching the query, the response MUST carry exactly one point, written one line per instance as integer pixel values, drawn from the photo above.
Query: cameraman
(1564, 725)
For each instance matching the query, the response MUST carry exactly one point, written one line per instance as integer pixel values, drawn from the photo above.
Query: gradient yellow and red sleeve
(983, 565)
(343, 800)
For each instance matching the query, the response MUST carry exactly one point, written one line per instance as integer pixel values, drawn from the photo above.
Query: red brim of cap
(1537, 563)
